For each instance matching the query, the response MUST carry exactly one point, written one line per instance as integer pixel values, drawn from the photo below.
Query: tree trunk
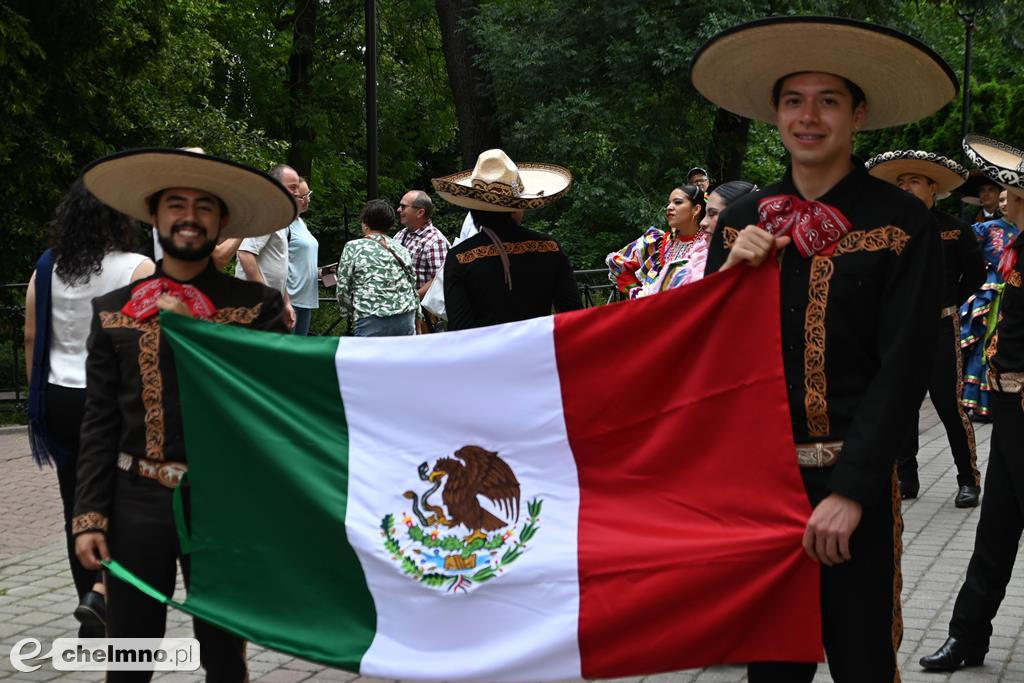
(728, 146)
(300, 71)
(475, 104)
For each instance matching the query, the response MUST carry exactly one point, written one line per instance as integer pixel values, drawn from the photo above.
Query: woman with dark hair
(89, 255)
(660, 259)
(720, 199)
(376, 281)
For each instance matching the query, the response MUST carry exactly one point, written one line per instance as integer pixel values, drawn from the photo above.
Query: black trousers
(999, 527)
(945, 387)
(64, 408)
(861, 613)
(143, 538)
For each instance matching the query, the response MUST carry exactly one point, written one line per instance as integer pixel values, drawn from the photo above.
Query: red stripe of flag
(692, 508)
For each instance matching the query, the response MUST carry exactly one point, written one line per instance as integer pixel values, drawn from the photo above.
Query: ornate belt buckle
(170, 474)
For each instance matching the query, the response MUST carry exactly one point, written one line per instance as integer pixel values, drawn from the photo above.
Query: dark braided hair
(695, 195)
(733, 190)
(83, 230)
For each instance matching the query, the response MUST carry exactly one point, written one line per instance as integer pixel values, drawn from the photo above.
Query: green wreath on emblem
(455, 544)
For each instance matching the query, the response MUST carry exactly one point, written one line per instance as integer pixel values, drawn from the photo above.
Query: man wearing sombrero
(1002, 510)
(505, 272)
(132, 446)
(928, 177)
(982, 192)
(859, 292)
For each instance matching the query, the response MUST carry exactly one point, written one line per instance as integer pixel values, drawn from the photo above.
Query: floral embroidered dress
(655, 262)
(980, 313)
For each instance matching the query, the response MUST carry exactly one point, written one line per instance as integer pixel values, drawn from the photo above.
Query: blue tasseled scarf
(44, 449)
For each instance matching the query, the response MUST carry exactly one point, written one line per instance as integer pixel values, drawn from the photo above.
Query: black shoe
(909, 488)
(951, 656)
(92, 612)
(968, 496)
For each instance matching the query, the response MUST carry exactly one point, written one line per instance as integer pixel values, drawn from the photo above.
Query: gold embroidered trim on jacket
(149, 371)
(972, 445)
(529, 246)
(950, 235)
(880, 239)
(729, 236)
(239, 315)
(1013, 278)
(815, 385)
(89, 521)
(897, 573)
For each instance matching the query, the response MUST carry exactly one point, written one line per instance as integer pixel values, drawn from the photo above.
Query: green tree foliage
(997, 83)
(84, 79)
(601, 87)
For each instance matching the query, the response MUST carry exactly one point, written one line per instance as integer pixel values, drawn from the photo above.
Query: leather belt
(948, 311)
(168, 474)
(1007, 382)
(821, 454)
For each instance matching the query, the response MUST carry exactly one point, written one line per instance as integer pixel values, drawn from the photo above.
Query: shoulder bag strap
(401, 263)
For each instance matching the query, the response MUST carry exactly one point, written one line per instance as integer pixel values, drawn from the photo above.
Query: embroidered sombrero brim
(542, 185)
(903, 79)
(257, 204)
(997, 160)
(947, 174)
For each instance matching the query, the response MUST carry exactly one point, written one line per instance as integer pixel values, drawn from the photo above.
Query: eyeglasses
(305, 197)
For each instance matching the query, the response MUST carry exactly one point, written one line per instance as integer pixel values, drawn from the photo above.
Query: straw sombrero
(946, 173)
(496, 183)
(257, 204)
(903, 79)
(997, 160)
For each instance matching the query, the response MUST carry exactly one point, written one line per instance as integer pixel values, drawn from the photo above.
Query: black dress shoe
(968, 496)
(951, 656)
(92, 612)
(909, 485)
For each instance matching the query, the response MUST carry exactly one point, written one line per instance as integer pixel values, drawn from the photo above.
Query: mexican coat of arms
(461, 543)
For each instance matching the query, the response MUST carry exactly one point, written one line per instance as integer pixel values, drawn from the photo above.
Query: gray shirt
(272, 256)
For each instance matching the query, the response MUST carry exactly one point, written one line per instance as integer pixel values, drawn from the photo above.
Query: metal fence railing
(595, 290)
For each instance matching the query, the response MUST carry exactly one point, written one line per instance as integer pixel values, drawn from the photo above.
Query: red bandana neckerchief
(142, 305)
(814, 226)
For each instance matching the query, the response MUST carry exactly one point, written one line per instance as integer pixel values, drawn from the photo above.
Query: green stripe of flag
(268, 469)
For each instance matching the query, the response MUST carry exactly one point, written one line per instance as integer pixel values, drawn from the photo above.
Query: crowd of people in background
(414, 281)
(919, 284)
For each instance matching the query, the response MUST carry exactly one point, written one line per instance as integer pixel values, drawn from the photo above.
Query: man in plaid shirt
(426, 243)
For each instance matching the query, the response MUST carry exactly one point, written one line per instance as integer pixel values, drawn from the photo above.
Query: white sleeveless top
(71, 315)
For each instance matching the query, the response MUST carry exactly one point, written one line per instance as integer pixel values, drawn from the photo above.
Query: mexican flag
(604, 493)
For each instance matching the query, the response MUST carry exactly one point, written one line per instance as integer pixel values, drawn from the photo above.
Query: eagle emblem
(474, 535)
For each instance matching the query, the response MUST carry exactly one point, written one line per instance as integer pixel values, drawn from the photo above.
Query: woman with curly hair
(89, 255)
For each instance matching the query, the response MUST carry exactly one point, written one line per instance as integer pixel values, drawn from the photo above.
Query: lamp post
(968, 16)
(371, 99)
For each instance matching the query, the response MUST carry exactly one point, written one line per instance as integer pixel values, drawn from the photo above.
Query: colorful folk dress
(980, 313)
(656, 261)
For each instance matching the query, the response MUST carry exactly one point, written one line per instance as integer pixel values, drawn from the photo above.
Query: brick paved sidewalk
(36, 595)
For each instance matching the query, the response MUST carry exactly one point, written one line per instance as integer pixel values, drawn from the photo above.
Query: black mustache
(181, 225)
